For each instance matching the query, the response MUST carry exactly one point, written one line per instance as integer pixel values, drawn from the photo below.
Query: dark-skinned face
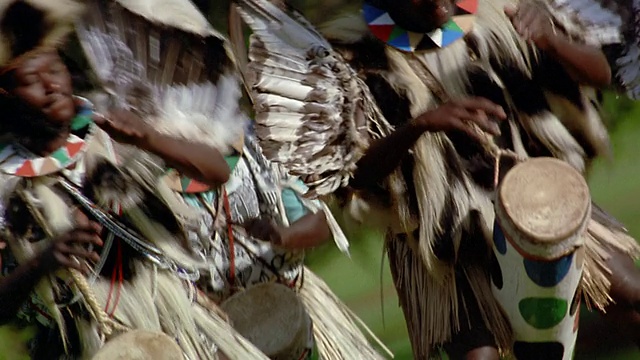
(420, 15)
(43, 82)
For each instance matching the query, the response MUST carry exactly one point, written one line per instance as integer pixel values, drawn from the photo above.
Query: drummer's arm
(16, 287)
(306, 230)
(309, 231)
(585, 64)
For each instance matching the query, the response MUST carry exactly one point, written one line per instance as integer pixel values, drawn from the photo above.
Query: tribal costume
(322, 97)
(145, 277)
(184, 69)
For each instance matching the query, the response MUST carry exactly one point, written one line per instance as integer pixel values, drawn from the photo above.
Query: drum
(140, 345)
(272, 317)
(542, 208)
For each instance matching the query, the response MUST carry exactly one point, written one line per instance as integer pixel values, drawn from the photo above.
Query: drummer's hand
(532, 22)
(264, 229)
(73, 248)
(461, 114)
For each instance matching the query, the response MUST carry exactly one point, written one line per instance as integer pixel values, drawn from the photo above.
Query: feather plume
(162, 60)
(306, 97)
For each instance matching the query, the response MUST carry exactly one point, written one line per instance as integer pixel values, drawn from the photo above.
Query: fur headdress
(28, 25)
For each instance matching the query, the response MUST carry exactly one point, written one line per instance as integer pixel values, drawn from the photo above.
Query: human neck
(46, 147)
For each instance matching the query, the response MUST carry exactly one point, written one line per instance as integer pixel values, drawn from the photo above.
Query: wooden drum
(140, 345)
(542, 207)
(273, 318)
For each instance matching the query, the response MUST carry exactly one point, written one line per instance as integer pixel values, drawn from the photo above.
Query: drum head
(270, 316)
(546, 199)
(140, 345)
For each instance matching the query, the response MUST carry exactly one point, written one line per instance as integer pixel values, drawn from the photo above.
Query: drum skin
(140, 345)
(542, 210)
(273, 318)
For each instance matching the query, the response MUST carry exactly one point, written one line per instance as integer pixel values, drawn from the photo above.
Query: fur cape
(50, 21)
(440, 200)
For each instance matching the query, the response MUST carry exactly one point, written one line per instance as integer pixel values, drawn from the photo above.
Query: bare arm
(386, 154)
(16, 287)
(196, 160)
(309, 231)
(585, 64)
(68, 250)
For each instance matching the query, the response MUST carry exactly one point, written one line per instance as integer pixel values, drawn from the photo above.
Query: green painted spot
(543, 313)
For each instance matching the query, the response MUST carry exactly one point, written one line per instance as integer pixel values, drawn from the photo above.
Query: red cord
(117, 272)
(114, 273)
(120, 279)
(232, 253)
(304, 354)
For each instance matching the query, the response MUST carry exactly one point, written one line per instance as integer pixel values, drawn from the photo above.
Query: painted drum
(140, 345)
(273, 318)
(542, 207)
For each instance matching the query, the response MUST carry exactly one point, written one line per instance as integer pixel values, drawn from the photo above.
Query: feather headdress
(162, 59)
(28, 25)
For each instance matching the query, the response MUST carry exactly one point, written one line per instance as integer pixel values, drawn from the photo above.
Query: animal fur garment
(438, 204)
(50, 21)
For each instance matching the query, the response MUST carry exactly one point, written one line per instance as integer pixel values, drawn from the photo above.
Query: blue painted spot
(548, 274)
(498, 239)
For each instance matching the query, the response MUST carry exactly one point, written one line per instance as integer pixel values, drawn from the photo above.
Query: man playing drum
(411, 106)
(91, 248)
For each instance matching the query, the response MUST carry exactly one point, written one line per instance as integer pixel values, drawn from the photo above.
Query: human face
(420, 15)
(43, 82)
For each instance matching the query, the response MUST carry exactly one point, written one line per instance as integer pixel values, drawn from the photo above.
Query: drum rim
(550, 240)
(164, 337)
(298, 340)
(532, 250)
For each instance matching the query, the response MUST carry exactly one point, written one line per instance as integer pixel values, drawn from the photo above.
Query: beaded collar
(384, 28)
(17, 160)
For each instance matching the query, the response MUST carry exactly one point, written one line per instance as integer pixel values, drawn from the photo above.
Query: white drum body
(140, 345)
(542, 207)
(274, 319)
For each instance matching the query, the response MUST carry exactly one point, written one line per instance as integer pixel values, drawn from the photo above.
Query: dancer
(92, 246)
(406, 110)
(254, 228)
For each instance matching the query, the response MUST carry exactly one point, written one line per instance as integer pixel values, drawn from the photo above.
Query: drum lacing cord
(224, 203)
(107, 326)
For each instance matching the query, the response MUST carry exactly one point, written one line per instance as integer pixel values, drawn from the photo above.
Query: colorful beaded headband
(384, 28)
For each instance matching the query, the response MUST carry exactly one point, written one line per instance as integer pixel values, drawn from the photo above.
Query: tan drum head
(546, 199)
(140, 345)
(272, 317)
